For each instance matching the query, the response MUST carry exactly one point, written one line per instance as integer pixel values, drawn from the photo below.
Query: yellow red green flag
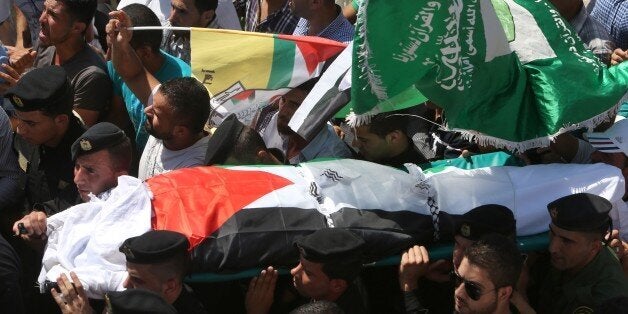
(245, 71)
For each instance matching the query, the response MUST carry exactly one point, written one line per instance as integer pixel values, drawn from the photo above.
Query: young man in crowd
(101, 155)
(582, 272)
(176, 111)
(188, 13)
(127, 109)
(385, 141)
(158, 261)
(278, 135)
(62, 42)
(330, 261)
(431, 282)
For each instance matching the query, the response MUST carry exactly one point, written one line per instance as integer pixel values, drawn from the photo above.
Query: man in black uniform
(43, 99)
(330, 262)
(584, 272)
(158, 261)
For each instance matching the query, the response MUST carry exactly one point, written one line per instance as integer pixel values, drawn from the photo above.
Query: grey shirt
(88, 75)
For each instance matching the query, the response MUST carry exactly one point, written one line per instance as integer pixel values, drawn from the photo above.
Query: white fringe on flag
(364, 51)
(356, 120)
(544, 141)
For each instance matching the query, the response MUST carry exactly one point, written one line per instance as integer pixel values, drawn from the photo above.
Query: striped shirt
(281, 21)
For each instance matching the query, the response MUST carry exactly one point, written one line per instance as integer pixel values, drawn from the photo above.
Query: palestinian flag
(243, 217)
(331, 97)
(245, 71)
(511, 72)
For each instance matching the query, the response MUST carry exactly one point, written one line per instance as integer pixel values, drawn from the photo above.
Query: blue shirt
(172, 68)
(613, 14)
(340, 29)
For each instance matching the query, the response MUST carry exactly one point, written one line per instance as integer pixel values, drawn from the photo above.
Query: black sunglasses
(472, 289)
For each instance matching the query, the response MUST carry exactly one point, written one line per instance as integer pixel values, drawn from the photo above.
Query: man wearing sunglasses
(485, 279)
(431, 282)
(583, 271)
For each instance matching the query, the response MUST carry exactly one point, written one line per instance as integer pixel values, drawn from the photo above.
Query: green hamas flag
(511, 72)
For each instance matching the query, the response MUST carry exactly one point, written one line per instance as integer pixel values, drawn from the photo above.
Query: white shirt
(225, 12)
(157, 159)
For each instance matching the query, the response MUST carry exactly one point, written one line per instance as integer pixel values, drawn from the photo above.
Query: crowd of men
(86, 101)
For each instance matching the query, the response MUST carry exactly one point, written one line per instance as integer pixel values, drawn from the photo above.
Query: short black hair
(247, 145)
(189, 100)
(177, 266)
(205, 5)
(121, 155)
(81, 10)
(499, 256)
(384, 123)
(141, 15)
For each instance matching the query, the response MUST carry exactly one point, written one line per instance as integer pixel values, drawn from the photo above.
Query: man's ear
(170, 289)
(393, 137)
(504, 294)
(338, 285)
(207, 16)
(61, 119)
(79, 27)
(143, 52)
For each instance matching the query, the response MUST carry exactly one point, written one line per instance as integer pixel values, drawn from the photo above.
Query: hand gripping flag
(244, 72)
(242, 217)
(512, 72)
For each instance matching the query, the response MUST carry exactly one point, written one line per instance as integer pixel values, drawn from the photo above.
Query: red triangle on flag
(197, 201)
(315, 49)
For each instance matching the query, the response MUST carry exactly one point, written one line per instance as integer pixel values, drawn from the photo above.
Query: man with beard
(176, 110)
(140, 51)
(176, 116)
(62, 42)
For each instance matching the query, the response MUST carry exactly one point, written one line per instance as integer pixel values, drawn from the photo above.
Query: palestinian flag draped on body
(248, 216)
(512, 72)
(246, 71)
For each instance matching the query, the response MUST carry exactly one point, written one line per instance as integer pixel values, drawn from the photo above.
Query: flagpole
(142, 28)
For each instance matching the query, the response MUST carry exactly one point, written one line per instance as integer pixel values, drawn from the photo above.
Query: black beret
(137, 301)
(485, 219)
(222, 141)
(331, 244)
(46, 88)
(580, 212)
(100, 136)
(154, 246)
